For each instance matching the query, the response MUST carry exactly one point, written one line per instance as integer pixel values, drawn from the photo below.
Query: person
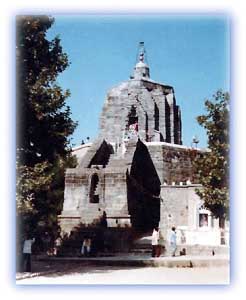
(27, 252)
(103, 221)
(154, 241)
(160, 245)
(46, 241)
(183, 237)
(86, 247)
(173, 241)
(58, 243)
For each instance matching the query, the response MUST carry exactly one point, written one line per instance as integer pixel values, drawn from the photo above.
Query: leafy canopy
(213, 166)
(44, 121)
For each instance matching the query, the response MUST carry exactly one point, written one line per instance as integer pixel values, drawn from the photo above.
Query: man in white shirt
(27, 251)
(154, 242)
(173, 241)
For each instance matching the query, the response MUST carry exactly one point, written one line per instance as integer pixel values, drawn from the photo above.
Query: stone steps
(143, 246)
(203, 250)
(97, 189)
(116, 161)
(90, 154)
(133, 260)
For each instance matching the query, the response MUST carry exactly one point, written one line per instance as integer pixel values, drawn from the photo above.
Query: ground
(87, 274)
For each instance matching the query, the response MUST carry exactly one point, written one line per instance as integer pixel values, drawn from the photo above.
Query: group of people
(26, 261)
(158, 242)
(27, 250)
(157, 246)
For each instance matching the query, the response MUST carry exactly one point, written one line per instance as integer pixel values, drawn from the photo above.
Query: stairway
(90, 153)
(142, 246)
(97, 189)
(124, 160)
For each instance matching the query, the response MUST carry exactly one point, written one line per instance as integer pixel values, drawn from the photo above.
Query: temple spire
(141, 69)
(141, 53)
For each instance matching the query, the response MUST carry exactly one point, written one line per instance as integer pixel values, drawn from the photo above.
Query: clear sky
(189, 52)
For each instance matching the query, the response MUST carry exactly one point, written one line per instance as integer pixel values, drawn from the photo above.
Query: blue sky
(189, 52)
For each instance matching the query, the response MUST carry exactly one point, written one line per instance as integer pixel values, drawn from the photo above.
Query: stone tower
(143, 106)
(137, 173)
(139, 149)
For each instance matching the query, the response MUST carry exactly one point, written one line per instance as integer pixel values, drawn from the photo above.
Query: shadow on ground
(56, 269)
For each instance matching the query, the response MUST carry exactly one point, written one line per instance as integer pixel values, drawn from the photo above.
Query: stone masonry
(144, 102)
(136, 111)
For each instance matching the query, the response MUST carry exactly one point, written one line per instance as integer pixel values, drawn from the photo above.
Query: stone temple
(137, 172)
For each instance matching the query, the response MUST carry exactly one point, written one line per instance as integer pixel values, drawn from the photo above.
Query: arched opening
(168, 124)
(132, 118)
(156, 116)
(94, 193)
(102, 155)
(147, 127)
(143, 191)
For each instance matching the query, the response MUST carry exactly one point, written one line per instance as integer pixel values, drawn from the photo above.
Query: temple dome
(141, 70)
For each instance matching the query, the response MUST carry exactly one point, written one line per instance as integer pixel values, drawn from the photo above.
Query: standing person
(173, 241)
(160, 244)
(103, 220)
(86, 247)
(27, 252)
(58, 243)
(154, 242)
(46, 241)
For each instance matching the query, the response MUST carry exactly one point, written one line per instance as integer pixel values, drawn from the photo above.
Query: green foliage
(213, 166)
(31, 180)
(43, 120)
(43, 123)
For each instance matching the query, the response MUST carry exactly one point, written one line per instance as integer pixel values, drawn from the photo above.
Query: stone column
(162, 112)
(169, 98)
(151, 121)
(141, 123)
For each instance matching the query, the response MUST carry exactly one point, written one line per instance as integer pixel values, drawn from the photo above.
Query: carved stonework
(139, 147)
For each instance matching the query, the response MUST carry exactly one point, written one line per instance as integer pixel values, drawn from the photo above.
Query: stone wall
(112, 197)
(157, 114)
(172, 163)
(139, 108)
(181, 208)
(178, 206)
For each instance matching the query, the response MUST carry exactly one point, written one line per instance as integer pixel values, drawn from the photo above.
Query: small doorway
(94, 193)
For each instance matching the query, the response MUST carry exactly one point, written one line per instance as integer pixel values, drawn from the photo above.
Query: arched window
(167, 122)
(147, 127)
(94, 189)
(132, 116)
(156, 116)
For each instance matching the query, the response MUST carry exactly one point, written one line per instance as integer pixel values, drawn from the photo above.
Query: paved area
(128, 269)
(91, 275)
(147, 260)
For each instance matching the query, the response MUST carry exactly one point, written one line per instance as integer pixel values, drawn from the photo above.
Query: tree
(43, 123)
(213, 166)
(43, 120)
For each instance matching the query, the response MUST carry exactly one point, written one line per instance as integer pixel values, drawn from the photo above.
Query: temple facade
(137, 173)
